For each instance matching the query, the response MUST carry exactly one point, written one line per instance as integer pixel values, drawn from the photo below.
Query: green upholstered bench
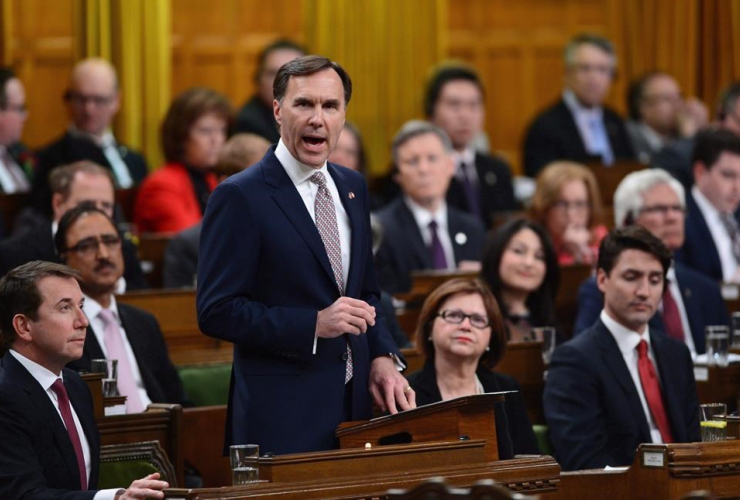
(121, 464)
(206, 385)
(543, 439)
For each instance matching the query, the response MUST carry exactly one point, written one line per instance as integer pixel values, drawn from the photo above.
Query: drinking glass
(713, 422)
(109, 369)
(735, 330)
(718, 345)
(244, 463)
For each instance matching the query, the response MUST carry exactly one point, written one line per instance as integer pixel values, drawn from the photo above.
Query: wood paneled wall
(39, 42)
(215, 43)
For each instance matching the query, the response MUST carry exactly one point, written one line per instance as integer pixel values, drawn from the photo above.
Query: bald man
(93, 99)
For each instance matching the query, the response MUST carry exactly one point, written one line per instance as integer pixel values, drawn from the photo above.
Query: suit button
(344, 356)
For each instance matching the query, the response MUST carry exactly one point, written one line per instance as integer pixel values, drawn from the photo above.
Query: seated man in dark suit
(51, 444)
(93, 99)
(602, 397)
(676, 156)
(712, 244)
(482, 183)
(16, 164)
(579, 127)
(655, 200)
(256, 117)
(71, 184)
(88, 242)
(421, 230)
(181, 255)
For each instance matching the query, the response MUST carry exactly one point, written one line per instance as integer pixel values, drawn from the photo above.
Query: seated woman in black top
(461, 332)
(521, 267)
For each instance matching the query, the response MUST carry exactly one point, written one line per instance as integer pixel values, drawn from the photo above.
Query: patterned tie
(326, 223)
(116, 350)
(439, 261)
(69, 423)
(733, 230)
(671, 316)
(600, 141)
(651, 388)
(472, 194)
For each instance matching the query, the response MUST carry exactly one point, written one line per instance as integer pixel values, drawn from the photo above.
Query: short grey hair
(415, 128)
(598, 41)
(628, 196)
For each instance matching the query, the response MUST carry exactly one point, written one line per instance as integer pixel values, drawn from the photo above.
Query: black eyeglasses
(81, 99)
(456, 316)
(89, 246)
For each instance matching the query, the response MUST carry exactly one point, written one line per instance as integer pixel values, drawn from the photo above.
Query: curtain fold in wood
(388, 48)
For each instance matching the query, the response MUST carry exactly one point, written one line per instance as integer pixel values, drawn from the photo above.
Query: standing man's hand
(346, 315)
(390, 390)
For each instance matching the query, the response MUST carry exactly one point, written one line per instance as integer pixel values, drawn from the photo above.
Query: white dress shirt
(584, 117)
(719, 233)
(12, 177)
(466, 157)
(299, 173)
(92, 309)
(107, 143)
(627, 341)
(423, 217)
(678, 299)
(46, 379)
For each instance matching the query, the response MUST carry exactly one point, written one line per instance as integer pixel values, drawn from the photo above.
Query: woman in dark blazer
(462, 334)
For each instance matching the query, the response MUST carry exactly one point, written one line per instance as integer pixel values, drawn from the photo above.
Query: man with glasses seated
(655, 200)
(88, 242)
(71, 185)
(93, 99)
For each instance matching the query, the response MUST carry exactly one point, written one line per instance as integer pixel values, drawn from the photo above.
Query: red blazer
(166, 200)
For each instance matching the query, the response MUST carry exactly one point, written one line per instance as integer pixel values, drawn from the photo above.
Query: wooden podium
(469, 417)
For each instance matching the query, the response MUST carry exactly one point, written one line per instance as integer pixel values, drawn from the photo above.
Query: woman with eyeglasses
(461, 332)
(567, 203)
(193, 132)
(521, 268)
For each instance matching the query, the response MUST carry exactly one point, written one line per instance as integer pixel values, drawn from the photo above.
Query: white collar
(466, 156)
(423, 216)
(653, 138)
(626, 339)
(706, 207)
(43, 376)
(92, 307)
(105, 140)
(575, 106)
(297, 171)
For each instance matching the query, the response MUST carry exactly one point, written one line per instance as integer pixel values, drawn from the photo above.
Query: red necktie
(69, 423)
(651, 388)
(671, 316)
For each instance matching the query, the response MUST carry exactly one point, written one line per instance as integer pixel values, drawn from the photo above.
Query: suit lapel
(287, 198)
(614, 361)
(80, 402)
(693, 308)
(419, 250)
(45, 407)
(695, 218)
(572, 128)
(352, 204)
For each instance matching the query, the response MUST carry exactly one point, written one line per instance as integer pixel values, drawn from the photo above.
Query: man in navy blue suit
(619, 383)
(655, 200)
(286, 275)
(421, 229)
(712, 243)
(51, 444)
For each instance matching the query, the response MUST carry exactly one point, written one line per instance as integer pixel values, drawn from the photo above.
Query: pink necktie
(326, 223)
(116, 350)
(69, 423)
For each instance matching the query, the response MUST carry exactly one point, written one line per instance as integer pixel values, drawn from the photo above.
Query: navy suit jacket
(496, 192)
(701, 298)
(554, 135)
(263, 275)
(37, 460)
(159, 375)
(699, 251)
(592, 407)
(403, 249)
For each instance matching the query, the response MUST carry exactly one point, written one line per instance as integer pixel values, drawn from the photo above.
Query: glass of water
(244, 463)
(718, 345)
(109, 369)
(713, 422)
(735, 330)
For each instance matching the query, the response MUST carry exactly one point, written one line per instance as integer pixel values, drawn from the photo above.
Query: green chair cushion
(120, 474)
(206, 385)
(543, 439)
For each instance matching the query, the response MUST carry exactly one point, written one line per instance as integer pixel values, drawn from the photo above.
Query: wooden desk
(609, 178)
(686, 467)
(718, 385)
